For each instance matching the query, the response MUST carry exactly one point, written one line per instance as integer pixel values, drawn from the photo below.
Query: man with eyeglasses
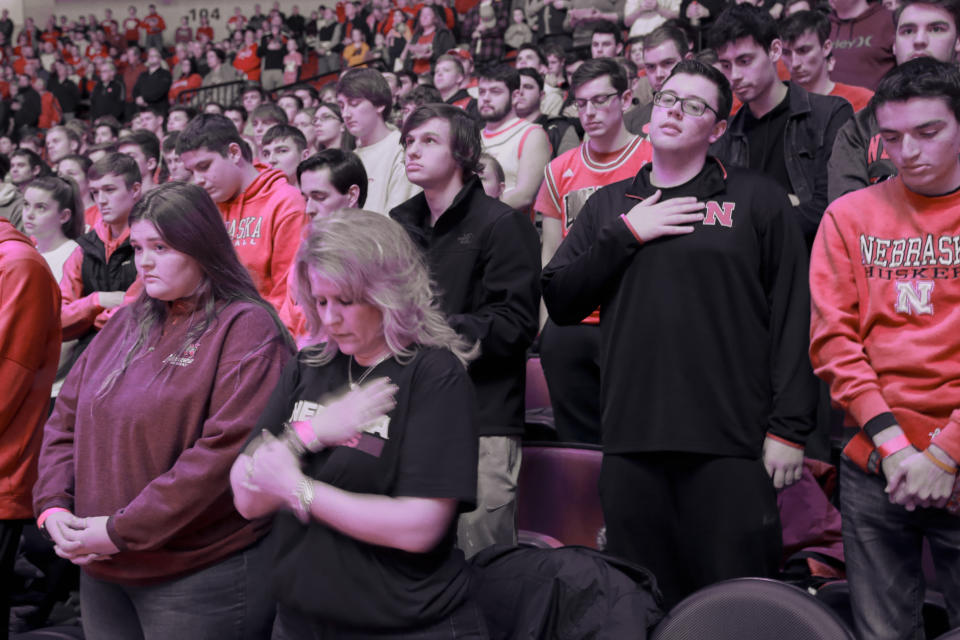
(784, 131)
(570, 354)
(700, 274)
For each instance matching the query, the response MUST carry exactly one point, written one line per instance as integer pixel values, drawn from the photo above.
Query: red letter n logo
(719, 213)
(913, 296)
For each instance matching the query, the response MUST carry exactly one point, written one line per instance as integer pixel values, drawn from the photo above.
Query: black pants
(570, 357)
(9, 542)
(691, 519)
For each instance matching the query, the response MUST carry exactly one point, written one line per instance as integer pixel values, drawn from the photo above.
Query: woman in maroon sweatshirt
(133, 482)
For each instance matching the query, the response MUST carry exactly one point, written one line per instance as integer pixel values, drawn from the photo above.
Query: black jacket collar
(711, 180)
(415, 211)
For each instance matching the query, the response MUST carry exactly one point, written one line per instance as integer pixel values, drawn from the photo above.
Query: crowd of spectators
(524, 148)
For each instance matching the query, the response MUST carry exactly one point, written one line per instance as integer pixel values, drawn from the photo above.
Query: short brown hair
(367, 84)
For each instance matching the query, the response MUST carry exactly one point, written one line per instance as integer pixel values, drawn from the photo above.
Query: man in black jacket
(153, 84)
(64, 90)
(700, 274)
(783, 130)
(483, 255)
(109, 94)
(25, 105)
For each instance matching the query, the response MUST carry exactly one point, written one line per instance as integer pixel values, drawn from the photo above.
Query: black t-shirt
(426, 447)
(765, 136)
(272, 58)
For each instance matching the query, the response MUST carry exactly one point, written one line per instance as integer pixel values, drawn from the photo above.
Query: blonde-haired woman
(369, 448)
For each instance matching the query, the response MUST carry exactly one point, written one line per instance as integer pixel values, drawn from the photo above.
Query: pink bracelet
(46, 513)
(893, 445)
(304, 431)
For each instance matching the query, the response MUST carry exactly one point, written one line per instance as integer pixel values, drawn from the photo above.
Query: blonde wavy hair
(371, 259)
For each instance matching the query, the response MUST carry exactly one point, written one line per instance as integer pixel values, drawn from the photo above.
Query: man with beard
(521, 147)
(528, 105)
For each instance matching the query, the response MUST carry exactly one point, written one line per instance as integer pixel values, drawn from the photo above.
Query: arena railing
(223, 94)
(327, 69)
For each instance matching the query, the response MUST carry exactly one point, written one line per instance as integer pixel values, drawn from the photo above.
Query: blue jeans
(229, 600)
(882, 544)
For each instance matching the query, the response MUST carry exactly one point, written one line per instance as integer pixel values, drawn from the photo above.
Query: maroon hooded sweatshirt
(863, 47)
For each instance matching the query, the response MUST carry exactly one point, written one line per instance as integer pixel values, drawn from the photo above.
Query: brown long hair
(189, 222)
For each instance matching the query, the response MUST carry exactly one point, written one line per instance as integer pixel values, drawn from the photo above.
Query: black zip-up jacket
(704, 336)
(812, 126)
(483, 256)
(67, 93)
(108, 100)
(99, 274)
(154, 87)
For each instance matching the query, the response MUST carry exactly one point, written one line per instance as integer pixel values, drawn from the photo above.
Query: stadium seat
(751, 609)
(557, 493)
(51, 633)
(537, 396)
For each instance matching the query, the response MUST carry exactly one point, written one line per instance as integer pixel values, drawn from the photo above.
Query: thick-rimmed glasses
(690, 106)
(598, 102)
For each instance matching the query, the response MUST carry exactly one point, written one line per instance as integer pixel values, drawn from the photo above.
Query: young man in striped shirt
(610, 154)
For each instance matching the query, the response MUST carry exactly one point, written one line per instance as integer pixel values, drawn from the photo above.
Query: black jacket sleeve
(847, 167)
(785, 280)
(153, 88)
(588, 263)
(812, 210)
(505, 321)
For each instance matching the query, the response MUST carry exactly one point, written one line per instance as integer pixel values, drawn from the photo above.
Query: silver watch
(304, 498)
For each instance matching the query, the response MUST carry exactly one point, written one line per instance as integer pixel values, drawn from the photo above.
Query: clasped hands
(913, 480)
(79, 540)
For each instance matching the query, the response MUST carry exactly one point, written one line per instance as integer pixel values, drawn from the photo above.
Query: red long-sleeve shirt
(885, 327)
(29, 353)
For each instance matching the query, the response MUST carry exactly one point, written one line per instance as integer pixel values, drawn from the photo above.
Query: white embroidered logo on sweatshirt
(913, 296)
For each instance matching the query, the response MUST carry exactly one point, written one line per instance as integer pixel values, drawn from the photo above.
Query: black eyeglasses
(690, 106)
(598, 102)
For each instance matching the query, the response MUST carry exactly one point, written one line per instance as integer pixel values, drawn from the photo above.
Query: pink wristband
(304, 431)
(46, 513)
(893, 445)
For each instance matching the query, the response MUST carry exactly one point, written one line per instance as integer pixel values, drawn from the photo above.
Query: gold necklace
(365, 374)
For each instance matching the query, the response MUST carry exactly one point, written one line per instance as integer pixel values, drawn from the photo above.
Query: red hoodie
(885, 289)
(264, 223)
(29, 353)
